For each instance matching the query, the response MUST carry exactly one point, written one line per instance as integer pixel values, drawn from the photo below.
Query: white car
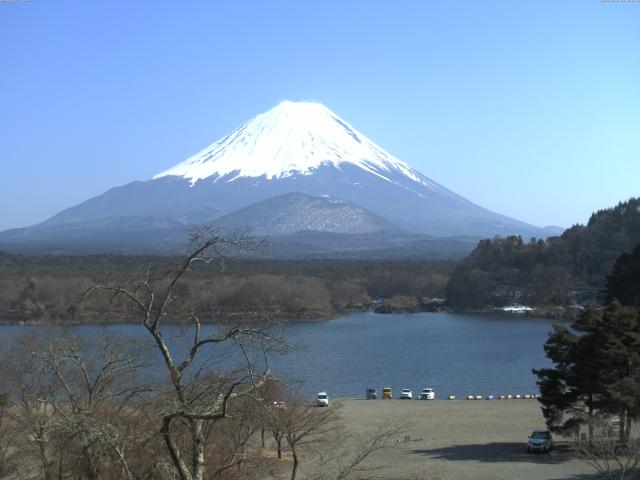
(323, 399)
(428, 394)
(406, 394)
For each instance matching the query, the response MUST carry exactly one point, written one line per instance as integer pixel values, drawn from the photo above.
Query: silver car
(539, 441)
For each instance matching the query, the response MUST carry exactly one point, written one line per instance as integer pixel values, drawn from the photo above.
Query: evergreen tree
(623, 283)
(597, 360)
(620, 354)
(571, 391)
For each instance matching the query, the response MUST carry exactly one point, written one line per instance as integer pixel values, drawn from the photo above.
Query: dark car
(372, 394)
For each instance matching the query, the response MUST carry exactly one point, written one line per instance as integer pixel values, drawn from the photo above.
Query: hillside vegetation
(571, 268)
(37, 288)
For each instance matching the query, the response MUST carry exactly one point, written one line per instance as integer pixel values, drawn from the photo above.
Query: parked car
(428, 394)
(372, 394)
(539, 441)
(323, 399)
(406, 394)
(386, 393)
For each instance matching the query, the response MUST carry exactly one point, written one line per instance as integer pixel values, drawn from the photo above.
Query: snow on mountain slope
(293, 137)
(296, 212)
(294, 147)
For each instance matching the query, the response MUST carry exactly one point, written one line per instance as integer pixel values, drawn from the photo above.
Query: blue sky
(529, 108)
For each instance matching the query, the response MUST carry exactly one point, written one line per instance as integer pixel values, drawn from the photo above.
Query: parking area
(461, 439)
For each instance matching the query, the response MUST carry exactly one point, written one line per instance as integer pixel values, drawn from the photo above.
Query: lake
(453, 353)
(457, 354)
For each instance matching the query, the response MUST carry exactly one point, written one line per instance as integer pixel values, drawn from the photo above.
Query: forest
(49, 287)
(555, 273)
(558, 271)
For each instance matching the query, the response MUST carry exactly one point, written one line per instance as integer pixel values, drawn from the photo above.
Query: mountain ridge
(295, 212)
(294, 147)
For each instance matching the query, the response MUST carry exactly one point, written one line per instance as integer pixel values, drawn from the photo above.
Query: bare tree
(272, 395)
(30, 394)
(614, 458)
(7, 464)
(345, 455)
(299, 424)
(68, 396)
(200, 389)
(97, 380)
(273, 418)
(318, 432)
(233, 445)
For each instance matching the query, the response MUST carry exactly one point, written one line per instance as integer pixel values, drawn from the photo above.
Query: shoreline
(257, 317)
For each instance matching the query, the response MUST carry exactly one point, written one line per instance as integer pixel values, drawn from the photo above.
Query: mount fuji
(296, 147)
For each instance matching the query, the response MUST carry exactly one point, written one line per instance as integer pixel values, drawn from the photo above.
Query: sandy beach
(461, 439)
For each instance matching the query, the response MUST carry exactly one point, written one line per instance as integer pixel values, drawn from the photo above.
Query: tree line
(47, 288)
(558, 271)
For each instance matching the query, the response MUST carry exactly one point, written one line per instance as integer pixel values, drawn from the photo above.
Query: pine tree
(597, 360)
(571, 392)
(620, 353)
(623, 283)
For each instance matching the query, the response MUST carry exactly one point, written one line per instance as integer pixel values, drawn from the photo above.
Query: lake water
(457, 354)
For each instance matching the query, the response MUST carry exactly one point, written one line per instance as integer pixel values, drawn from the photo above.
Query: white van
(427, 394)
(323, 399)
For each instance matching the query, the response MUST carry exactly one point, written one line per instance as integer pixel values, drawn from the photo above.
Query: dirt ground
(461, 439)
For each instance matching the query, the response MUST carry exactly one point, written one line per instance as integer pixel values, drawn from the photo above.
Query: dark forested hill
(557, 271)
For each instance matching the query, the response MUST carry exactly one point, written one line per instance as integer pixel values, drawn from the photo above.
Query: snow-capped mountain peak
(298, 167)
(291, 138)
